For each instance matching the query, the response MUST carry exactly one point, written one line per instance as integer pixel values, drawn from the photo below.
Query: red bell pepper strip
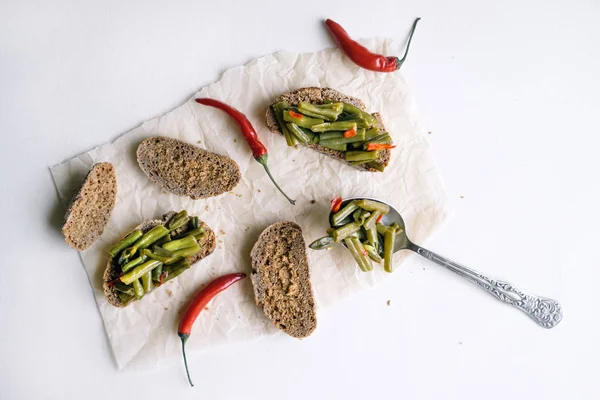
(259, 151)
(336, 202)
(197, 305)
(362, 56)
(378, 220)
(379, 146)
(350, 133)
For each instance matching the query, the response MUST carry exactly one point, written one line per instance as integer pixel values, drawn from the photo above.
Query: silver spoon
(546, 312)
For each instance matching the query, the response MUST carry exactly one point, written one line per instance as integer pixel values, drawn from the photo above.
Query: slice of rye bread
(113, 269)
(317, 95)
(281, 279)
(91, 207)
(186, 170)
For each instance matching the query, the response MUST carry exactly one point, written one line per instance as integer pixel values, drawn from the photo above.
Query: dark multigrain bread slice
(317, 95)
(281, 279)
(186, 170)
(91, 207)
(113, 269)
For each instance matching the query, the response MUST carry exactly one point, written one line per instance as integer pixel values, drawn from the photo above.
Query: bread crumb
(293, 160)
(206, 308)
(166, 309)
(169, 293)
(430, 133)
(259, 190)
(389, 302)
(235, 140)
(220, 241)
(460, 343)
(313, 202)
(423, 268)
(247, 229)
(222, 232)
(462, 197)
(199, 141)
(206, 208)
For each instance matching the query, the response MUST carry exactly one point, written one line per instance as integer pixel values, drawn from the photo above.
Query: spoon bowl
(546, 312)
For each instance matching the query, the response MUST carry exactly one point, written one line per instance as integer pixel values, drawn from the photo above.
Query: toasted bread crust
(113, 269)
(281, 279)
(317, 95)
(91, 207)
(186, 170)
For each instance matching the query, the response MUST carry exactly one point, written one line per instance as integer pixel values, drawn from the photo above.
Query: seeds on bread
(186, 170)
(281, 279)
(113, 269)
(91, 207)
(316, 95)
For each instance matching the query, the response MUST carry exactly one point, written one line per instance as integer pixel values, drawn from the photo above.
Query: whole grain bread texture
(91, 207)
(186, 170)
(113, 269)
(281, 279)
(316, 95)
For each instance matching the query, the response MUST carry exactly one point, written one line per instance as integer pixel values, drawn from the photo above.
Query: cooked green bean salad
(336, 126)
(358, 225)
(156, 256)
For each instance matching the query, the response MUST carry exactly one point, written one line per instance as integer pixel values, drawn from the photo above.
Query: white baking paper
(144, 334)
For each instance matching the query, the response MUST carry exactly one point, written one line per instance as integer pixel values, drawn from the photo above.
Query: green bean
(298, 133)
(278, 110)
(360, 216)
(304, 122)
(360, 122)
(343, 232)
(381, 229)
(388, 248)
(134, 263)
(183, 262)
(160, 251)
(358, 162)
(339, 147)
(361, 155)
(373, 205)
(322, 243)
(179, 220)
(334, 106)
(382, 139)
(138, 289)
(357, 146)
(340, 141)
(343, 213)
(350, 109)
(360, 235)
(396, 228)
(187, 241)
(372, 133)
(126, 242)
(375, 165)
(147, 282)
(175, 273)
(194, 222)
(333, 126)
(163, 240)
(358, 252)
(154, 256)
(121, 287)
(186, 252)
(372, 253)
(197, 233)
(139, 271)
(157, 272)
(311, 135)
(372, 235)
(331, 135)
(372, 220)
(316, 139)
(149, 238)
(126, 298)
(328, 114)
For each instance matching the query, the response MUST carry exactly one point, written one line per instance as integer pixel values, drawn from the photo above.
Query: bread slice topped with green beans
(332, 123)
(154, 253)
(281, 279)
(91, 207)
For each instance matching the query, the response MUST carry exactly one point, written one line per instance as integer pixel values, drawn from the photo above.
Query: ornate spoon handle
(544, 311)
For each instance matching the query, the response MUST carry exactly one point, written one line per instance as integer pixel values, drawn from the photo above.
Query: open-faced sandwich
(154, 253)
(334, 124)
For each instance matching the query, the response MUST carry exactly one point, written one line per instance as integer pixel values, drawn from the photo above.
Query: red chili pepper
(197, 305)
(259, 151)
(336, 203)
(378, 220)
(350, 133)
(362, 56)
(295, 114)
(365, 252)
(379, 146)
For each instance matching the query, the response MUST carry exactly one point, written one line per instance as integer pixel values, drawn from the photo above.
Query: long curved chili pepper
(362, 56)
(259, 151)
(197, 305)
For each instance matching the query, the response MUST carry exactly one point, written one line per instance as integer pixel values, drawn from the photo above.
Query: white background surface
(510, 93)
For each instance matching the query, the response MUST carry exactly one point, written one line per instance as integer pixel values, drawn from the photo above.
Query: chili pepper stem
(263, 161)
(184, 337)
(400, 61)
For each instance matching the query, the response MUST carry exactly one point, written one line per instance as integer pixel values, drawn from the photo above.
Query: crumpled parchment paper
(144, 333)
